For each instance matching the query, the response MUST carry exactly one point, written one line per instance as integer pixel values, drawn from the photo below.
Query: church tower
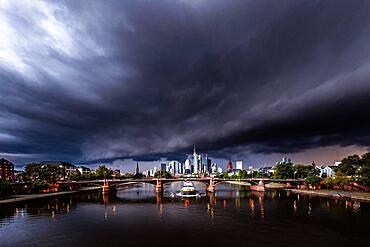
(137, 168)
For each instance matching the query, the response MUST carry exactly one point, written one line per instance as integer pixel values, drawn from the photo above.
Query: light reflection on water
(140, 216)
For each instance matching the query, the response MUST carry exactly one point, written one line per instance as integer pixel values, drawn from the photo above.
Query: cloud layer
(106, 79)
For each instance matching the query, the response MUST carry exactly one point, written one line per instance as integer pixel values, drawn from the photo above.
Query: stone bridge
(255, 183)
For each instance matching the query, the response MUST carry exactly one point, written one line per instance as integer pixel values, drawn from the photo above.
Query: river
(137, 216)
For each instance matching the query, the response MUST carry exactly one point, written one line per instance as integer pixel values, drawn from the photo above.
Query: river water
(136, 216)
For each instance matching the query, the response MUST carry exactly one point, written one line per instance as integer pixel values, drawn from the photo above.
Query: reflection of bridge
(254, 183)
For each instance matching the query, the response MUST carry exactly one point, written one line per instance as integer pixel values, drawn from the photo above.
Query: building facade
(239, 165)
(229, 166)
(6, 169)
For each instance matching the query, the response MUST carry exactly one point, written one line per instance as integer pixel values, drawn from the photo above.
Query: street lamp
(295, 173)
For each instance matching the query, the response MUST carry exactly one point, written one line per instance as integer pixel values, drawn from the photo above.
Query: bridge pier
(159, 186)
(212, 186)
(106, 187)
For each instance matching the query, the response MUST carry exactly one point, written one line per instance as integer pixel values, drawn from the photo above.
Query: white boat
(188, 190)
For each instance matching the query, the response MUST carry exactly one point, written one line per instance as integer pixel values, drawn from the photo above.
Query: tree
(243, 174)
(5, 187)
(312, 179)
(302, 171)
(364, 170)
(127, 175)
(349, 165)
(138, 175)
(341, 180)
(313, 176)
(37, 186)
(222, 175)
(284, 170)
(162, 174)
(328, 182)
(75, 176)
(103, 172)
(36, 171)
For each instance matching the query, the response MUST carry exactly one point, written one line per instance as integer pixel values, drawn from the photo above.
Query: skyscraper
(229, 166)
(195, 161)
(187, 166)
(239, 165)
(163, 166)
(207, 164)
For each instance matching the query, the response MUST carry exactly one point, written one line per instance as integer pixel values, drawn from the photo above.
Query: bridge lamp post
(295, 172)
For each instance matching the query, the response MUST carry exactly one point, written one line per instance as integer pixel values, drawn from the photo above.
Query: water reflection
(226, 197)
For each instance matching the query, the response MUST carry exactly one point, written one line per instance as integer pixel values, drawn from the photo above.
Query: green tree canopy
(313, 176)
(364, 170)
(36, 171)
(302, 171)
(103, 172)
(349, 165)
(284, 170)
(162, 174)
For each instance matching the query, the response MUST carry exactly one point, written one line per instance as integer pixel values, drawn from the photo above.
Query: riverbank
(20, 198)
(356, 196)
(268, 186)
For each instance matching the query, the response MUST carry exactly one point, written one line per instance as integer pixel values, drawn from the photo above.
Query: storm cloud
(95, 80)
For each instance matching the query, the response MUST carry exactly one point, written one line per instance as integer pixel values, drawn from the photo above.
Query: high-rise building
(187, 167)
(163, 166)
(180, 168)
(195, 161)
(207, 164)
(6, 169)
(175, 167)
(214, 168)
(239, 165)
(229, 166)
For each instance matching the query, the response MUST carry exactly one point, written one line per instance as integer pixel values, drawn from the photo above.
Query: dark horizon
(247, 80)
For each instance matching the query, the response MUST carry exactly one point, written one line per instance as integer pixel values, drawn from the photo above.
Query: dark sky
(251, 80)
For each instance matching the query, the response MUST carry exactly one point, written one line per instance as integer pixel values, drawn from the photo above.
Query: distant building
(327, 171)
(117, 172)
(84, 170)
(187, 166)
(175, 167)
(229, 166)
(148, 173)
(207, 164)
(68, 167)
(213, 168)
(266, 170)
(179, 168)
(239, 165)
(219, 169)
(285, 160)
(6, 169)
(197, 162)
(163, 167)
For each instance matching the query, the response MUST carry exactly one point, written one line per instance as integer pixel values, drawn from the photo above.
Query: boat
(188, 190)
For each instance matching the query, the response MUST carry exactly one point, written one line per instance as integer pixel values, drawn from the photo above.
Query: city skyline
(253, 81)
